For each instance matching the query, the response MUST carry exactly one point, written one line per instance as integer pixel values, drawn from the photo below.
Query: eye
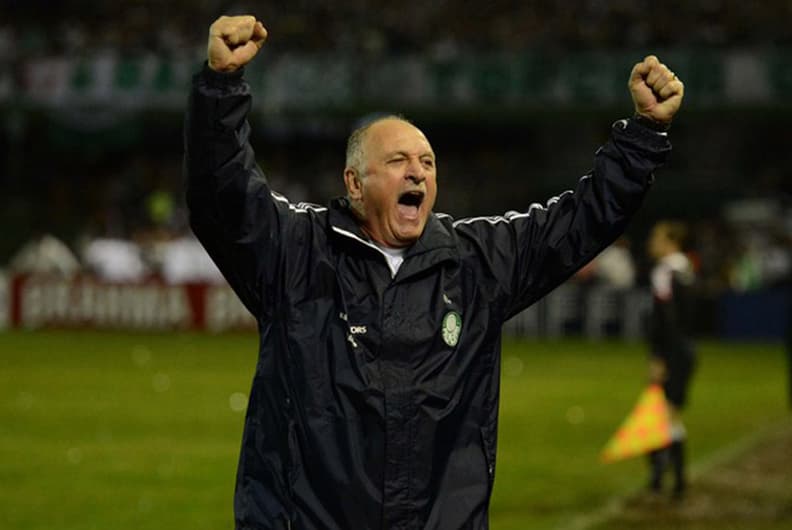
(428, 162)
(396, 160)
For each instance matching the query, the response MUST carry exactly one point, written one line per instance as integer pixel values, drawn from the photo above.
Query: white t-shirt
(115, 260)
(395, 257)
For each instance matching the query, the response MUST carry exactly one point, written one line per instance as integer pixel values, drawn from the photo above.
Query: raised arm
(232, 210)
(532, 252)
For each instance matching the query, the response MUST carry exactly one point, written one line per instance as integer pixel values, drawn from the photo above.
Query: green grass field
(128, 431)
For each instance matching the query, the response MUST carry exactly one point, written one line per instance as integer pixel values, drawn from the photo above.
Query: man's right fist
(233, 42)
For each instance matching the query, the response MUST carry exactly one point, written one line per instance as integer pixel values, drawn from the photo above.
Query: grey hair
(354, 152)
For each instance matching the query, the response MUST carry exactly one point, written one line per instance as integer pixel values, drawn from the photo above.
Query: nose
(415, 172)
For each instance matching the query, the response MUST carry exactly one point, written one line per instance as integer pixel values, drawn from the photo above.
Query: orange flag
(648, 427)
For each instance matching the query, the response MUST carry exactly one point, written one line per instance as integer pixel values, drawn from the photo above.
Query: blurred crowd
(135, 233)
(160, 248)
(128, 207)
(40, 27)
(728, 253)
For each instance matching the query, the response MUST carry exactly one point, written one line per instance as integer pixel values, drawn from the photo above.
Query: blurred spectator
(614, 266)
(184, 260)
(763, 259)
(115, 260)
(745, 274)
(45, 254)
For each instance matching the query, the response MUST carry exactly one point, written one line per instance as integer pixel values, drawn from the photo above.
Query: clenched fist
(656, 91)
(234, 41)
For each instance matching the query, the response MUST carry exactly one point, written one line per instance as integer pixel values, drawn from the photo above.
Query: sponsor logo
(452, 327)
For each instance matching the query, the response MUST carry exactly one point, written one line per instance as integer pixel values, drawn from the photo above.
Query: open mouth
(411, 198)
(408, 204)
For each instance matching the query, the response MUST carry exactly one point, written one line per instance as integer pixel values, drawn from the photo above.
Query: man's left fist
(656, 91)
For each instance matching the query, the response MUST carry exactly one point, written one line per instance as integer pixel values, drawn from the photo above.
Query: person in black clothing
(375, 397)
(672, 356)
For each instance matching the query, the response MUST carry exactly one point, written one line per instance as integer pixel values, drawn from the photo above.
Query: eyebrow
(391, 154)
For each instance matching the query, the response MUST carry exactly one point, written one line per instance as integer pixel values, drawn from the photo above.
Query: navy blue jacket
(375, 398)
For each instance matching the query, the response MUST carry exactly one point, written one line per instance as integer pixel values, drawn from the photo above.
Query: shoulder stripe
(300, 207)
(512, 214)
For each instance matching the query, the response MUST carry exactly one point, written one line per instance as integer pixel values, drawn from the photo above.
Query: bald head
(355, 153)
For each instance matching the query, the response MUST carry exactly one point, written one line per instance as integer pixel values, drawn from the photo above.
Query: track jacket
(375, 398)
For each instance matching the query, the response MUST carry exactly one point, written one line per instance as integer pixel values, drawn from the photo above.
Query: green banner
(533, 80)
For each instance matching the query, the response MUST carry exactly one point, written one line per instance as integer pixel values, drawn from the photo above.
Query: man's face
(399, 185)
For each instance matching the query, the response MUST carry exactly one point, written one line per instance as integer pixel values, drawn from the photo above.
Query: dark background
(514, 98)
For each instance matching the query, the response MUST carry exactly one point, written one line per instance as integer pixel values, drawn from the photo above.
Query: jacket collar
(436, 244)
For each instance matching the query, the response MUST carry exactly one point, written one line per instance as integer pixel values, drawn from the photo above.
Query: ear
(353, 183)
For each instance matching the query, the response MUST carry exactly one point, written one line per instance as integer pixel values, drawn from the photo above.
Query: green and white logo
(452, 327)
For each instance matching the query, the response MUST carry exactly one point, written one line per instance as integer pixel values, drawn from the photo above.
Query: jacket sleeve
(232, 210)
(530, 253)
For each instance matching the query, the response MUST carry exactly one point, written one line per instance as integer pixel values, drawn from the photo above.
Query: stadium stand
(90, 111)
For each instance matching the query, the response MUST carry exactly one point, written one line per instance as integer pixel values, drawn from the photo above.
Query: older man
(375, 397)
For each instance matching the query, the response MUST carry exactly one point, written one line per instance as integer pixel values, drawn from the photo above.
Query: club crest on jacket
(452, 326)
